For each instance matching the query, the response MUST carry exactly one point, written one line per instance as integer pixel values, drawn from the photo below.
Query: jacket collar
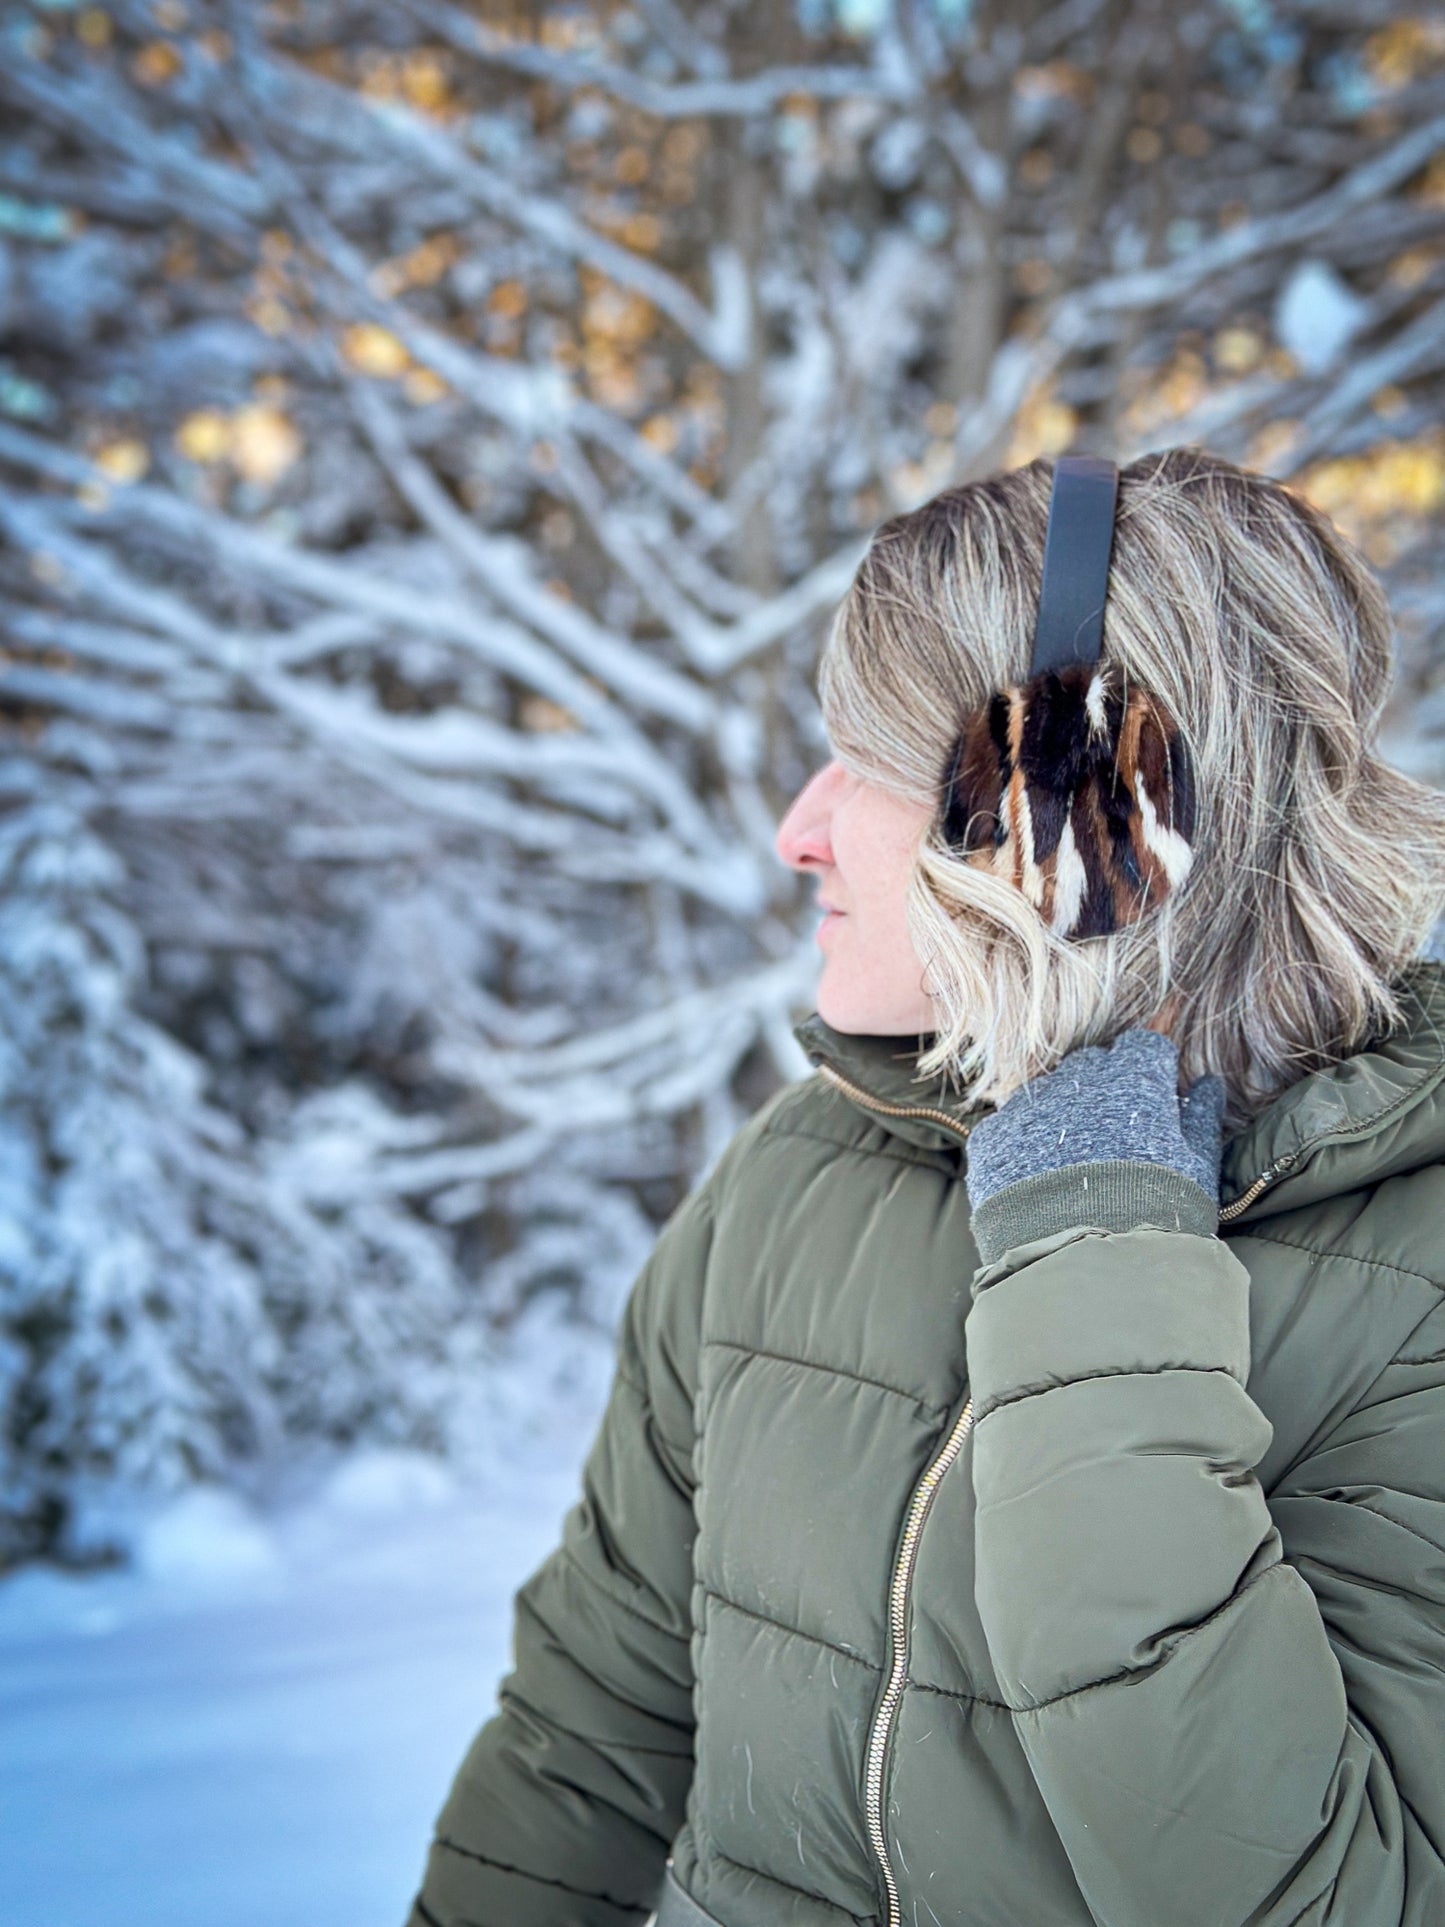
(1370, 1116)
(885, 1069)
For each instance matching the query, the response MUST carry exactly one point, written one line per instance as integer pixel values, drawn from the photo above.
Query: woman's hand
(1116, 1102)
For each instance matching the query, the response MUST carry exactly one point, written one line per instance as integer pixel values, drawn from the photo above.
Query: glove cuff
(1114, 1194)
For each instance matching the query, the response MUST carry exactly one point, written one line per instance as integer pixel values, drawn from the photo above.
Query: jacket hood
(1371, 1116)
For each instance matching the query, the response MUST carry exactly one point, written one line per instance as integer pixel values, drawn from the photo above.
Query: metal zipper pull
(1267, 1176)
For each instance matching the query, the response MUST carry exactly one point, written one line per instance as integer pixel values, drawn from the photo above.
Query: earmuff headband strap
(1077, 548)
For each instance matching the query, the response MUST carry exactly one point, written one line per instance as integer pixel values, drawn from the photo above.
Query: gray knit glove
(1102, 1102)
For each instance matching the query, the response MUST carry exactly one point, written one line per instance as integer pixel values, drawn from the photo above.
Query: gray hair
(1319, 869)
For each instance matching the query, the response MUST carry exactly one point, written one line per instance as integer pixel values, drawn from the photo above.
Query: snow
(258, 1719)
(206, 1537)
(1317, 315)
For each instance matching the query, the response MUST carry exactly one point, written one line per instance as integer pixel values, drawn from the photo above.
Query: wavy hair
(1319, 869)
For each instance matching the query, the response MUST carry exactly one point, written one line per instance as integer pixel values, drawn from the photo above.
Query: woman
(1022, 1494)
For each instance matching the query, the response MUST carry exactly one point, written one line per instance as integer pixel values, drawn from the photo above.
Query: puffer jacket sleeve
(563, 1810)
(1221, 1735)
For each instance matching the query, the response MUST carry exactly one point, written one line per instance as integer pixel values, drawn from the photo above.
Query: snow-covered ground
(255, 1723)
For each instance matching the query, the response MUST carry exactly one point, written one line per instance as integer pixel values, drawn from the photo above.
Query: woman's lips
(830, 918)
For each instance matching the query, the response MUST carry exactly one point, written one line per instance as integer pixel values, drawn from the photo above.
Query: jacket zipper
(1266, 1176)
(881, 1731)
(901, 1579)
(872, 1103)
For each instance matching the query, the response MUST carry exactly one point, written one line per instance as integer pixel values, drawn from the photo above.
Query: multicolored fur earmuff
(1075, 785)
(1082, 796)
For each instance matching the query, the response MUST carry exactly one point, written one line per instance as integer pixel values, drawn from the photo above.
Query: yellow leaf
(1412, 478)
(424, 81)
(684, 143)
(123, 461)
(423, 267)
(271, 316)
(1044, 426)
(1183, 385)
(264, 444)
(423, 385)
(1271, 445)
(427, 263)
(616, 386)
(1409, 269)
(618, 315)
(1054, 80)
(1397, 54)
(508, 298)
(660, 432)
(204, 436)
(1237, 350)
(1390, 480)
(568, 32)
(1331, 486)
(156, 65)
(373, 350)
(642, 232)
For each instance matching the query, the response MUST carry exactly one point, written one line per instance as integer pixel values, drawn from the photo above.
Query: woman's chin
(859, 1010)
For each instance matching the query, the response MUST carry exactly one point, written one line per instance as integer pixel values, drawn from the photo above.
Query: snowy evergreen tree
(176, 1301)
(130, 1326)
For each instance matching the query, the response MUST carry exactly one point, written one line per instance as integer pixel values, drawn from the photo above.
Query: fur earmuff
(1078, 793)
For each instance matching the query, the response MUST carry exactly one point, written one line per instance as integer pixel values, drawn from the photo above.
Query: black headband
(1077, 547)
(1075, 785)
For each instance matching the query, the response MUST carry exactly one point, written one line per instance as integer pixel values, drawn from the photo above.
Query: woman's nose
(804, 839)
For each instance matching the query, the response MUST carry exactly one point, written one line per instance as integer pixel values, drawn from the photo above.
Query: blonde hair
(1319, 869)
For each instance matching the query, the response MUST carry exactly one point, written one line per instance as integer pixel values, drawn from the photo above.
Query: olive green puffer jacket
(1023, 1573)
